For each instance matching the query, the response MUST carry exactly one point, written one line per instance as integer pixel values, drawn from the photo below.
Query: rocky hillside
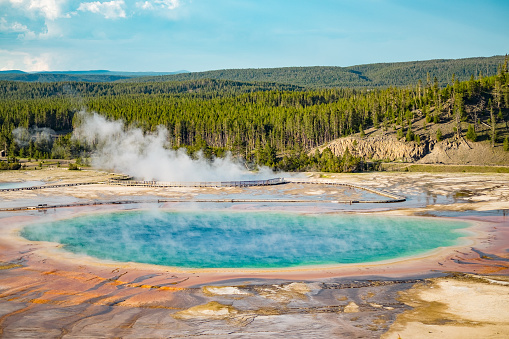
(464, 152)
(379, 147)
(388, 147)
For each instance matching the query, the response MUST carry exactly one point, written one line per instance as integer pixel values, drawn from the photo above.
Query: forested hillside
(89, 76)
(267, 123)
(370, 75)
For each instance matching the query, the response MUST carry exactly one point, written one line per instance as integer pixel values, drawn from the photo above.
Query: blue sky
(198, 35)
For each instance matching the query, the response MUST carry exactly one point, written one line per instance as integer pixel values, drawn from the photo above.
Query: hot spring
(217, 239)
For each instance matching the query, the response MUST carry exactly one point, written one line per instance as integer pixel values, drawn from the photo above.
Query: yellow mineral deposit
(211, 310)
(455, 307)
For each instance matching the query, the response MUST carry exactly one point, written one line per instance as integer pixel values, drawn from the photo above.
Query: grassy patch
(444, 168)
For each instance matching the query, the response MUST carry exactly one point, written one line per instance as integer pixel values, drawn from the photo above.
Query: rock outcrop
(386, 148)
(463, 152)
(389, 148)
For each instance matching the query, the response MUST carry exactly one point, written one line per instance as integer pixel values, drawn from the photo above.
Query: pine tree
(471, 135)
(459, 108)
(409, 134)
(439, 135)
(493, 127)
(417, 139)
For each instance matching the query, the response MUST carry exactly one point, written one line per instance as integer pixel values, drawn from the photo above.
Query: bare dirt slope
(387, 147)
(466, 152)
(379, 147)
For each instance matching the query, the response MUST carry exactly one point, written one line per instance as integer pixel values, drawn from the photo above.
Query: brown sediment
(459, 306)
(45, 291)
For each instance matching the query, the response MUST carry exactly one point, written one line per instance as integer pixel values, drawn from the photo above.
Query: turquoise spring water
(210, 239)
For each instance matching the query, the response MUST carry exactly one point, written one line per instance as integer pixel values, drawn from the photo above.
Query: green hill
(205, 88)
(370, 75)
(76, 76)
(360, 76)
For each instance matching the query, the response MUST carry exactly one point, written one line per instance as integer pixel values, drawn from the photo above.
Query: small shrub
(15, 166)
(9, 166)
(73, 167)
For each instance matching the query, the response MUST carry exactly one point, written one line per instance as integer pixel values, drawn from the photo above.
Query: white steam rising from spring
(145, 156)
(40, 135)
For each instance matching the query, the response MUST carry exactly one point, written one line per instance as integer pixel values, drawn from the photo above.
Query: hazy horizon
(208, 70)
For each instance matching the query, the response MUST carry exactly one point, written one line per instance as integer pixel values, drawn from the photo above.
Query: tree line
(368, 75)
(266, 123)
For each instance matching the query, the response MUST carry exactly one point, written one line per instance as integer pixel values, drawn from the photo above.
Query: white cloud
(155, 4)
(24, 61)
(16, 27)
(12, 27)
(170, 4)
(50, 9)
(111, 9)
(52, 30)
(145, 5)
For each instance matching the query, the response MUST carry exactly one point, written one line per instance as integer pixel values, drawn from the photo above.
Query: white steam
(146, 156)
(40, 135)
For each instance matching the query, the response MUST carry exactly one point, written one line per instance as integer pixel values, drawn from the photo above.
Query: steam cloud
(40, 135)
(144, 155)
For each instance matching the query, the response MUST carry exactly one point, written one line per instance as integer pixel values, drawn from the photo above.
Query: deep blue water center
(212, 239)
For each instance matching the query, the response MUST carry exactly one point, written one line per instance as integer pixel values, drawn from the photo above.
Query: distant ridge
(88, 76)
(360, 76)
(13, 71)
(369, 75)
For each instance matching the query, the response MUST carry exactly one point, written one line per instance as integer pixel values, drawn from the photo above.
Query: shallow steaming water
(6, 185)
(213, 239)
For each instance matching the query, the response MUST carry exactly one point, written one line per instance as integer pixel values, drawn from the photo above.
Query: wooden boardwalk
(393, 198)
(31, 188)
(240, 183)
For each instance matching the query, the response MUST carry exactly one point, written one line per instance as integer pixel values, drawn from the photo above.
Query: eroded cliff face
(386, 147)
(451, 152)
(463, 152)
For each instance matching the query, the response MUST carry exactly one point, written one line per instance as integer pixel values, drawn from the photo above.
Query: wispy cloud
(159, 4)
(24, 61)
(25, 33)
(50, 9)
(14, 27)
(111, 9)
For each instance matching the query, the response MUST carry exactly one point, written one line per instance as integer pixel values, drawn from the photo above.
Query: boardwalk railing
(393, 197)
(275, 181)
(31, 188)
(244, 183)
